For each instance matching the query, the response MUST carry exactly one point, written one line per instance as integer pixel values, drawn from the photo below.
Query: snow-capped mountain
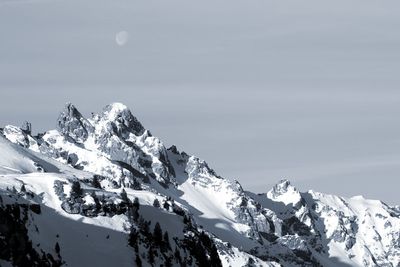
(102, 191)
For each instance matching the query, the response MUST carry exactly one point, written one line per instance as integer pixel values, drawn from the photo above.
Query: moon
(121, 38)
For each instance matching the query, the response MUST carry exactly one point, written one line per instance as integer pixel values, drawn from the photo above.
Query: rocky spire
(72, 124)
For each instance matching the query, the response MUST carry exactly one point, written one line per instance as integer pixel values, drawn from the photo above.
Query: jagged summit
(122, 116)
(284, 192)
(115, 117)
(281, 187)
(80, 186)
(72, 124)
(128, 149)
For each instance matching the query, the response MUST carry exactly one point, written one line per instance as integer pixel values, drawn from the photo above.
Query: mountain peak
(284, 192)
(282, 187)
(116, 108)
(71, 110)
(120, 114)
(72, 124)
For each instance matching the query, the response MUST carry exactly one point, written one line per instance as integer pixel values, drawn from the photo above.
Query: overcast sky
(261, 89)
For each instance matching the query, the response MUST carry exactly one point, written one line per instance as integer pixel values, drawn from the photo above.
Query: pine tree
(136, 203)
(166, 240)
(96, 182)
(133, 238)
(23, 189)
(135, 209)
(141, 223)
(157, 234)
(168, 261)
(96, 201)
(138, 261)
(214, 257)
(136, 185)
(150, 255)
(57, 248)
(166, 205)
(186, 219)
(147, 229)
(200, 254)
(156, 203)
(76, 190)
(177, 255)
(144, 226)
(124, 196)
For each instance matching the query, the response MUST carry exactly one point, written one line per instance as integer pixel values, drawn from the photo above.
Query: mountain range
(103, 191)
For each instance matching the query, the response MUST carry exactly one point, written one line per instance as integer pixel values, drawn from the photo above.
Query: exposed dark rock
(72, 124)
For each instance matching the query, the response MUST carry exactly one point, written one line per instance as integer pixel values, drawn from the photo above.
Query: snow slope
(14, 159)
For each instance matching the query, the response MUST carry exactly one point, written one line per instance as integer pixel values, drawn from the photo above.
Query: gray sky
(261, 89)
